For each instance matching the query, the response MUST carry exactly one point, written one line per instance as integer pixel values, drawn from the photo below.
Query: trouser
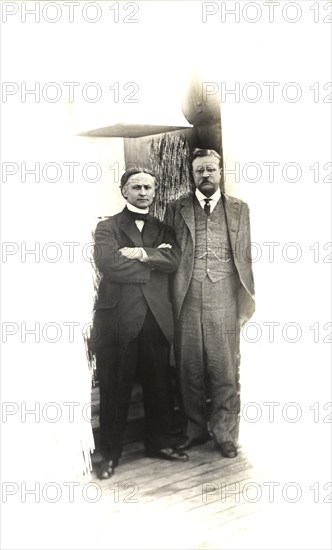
(117, 364)
(207, 345)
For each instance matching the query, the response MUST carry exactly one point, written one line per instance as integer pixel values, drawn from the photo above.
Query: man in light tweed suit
(213, 296)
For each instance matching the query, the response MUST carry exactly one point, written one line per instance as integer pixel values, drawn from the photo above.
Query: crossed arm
(138, 253)
(133, 264)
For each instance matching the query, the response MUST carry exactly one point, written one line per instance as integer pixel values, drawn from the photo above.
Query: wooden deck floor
(211, 502)
(208, 502)
(188, 502)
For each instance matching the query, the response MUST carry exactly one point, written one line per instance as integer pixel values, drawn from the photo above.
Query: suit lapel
(232, 210)
(128, 226)
(187, 212)
(150, 232)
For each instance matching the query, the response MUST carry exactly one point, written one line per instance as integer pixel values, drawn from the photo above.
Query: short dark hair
(136, 170)
(206, 153)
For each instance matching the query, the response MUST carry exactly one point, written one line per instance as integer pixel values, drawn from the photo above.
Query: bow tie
(138, 215)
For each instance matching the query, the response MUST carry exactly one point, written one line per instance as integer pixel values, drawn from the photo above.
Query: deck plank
(156, 504)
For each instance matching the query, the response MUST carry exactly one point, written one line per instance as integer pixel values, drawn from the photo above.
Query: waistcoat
(213, 256)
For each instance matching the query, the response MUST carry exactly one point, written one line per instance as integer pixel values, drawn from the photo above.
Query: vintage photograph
(166, 275)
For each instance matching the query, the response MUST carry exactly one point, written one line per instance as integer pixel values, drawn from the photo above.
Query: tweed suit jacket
(129, 286)
(180, 216)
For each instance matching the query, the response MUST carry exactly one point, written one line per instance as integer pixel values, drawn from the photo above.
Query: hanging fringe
(170, 157)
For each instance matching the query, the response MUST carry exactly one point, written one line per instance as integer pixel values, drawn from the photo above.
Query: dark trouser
(207, 343)
(117, 363)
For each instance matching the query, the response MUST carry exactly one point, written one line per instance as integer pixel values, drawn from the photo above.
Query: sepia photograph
(166, 275)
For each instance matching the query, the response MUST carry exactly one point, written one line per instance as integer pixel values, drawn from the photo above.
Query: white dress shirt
(213, 199)
(132, 208)
(140, 224)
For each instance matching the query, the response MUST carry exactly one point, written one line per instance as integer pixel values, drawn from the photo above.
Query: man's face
(207, 175)
(140, 190)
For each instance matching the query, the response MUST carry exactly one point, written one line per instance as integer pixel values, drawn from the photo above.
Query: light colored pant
(207, 346)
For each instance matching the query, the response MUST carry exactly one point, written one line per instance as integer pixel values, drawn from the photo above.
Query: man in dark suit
(133, 320)
(213, 296)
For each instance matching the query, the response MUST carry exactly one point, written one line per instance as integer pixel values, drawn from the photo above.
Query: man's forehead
(141, 179)
(206, 160)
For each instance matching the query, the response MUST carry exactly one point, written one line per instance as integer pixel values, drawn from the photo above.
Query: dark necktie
(207, 207)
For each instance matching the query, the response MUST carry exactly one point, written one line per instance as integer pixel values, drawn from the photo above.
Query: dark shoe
(168, 454)
(192, 442)
(227, 449)
(105, 469)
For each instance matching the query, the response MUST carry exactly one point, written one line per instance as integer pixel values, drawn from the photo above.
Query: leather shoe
(192, 442)
(168, 454)
(227, 449)
(106, 469)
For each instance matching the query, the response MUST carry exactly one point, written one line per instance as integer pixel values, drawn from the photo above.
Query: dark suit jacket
(128, 286)
(180, 216)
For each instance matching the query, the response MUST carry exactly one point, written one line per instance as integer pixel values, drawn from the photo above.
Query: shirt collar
(133, 208)
(215, 197)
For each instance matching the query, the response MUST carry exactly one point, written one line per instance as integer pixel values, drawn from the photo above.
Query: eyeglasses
(210, 169)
